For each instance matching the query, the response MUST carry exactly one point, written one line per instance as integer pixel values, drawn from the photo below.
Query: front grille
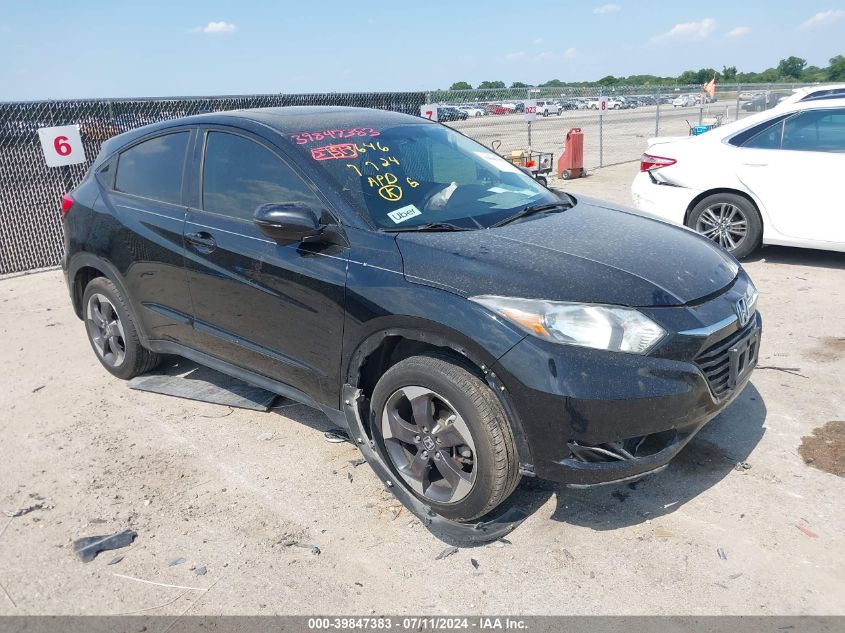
(729, 359)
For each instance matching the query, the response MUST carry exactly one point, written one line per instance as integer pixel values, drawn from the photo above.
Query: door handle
(202, 241)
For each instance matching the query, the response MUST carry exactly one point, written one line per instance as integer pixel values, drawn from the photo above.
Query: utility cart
(540, 164)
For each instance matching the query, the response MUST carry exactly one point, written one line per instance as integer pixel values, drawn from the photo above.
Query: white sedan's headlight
(601, 327)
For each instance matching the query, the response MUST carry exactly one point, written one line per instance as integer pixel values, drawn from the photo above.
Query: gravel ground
(242, 494)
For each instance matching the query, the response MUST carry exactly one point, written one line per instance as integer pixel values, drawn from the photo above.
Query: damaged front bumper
(499, 523)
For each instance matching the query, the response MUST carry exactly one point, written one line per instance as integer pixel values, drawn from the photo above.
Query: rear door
(795, 168)
(145, 184)
(276, 310)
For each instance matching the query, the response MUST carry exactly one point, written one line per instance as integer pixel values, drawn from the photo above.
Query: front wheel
(445, 436)
(729, 220)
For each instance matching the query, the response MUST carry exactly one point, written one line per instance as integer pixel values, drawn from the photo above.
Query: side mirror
(288, 223)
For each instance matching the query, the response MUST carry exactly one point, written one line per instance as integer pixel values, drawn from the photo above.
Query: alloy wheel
(105, 330)
(725, 224)
(429, 444)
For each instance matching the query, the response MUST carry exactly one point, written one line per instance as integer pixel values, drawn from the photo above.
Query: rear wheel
(729, 220)
(445, 436)
(112, 333)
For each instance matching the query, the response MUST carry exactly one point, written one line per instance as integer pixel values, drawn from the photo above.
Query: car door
(143, 187)
(795, 167)
(276, 310)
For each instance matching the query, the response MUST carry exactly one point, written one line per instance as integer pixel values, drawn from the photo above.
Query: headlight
(600, 327)
(751, 295)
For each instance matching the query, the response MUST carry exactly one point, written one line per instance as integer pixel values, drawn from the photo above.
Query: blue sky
(119, 48)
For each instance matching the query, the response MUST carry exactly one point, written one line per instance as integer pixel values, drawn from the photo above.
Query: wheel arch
(382, 349)
(83, 268)
(710, 192)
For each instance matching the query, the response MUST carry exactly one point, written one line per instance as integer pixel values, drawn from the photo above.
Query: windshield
(412, 175)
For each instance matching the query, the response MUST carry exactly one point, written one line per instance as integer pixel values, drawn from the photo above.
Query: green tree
(836, 70)
(729, 73)
(791, 67)
(460, 85)
(519, 84)
(486, 85)
(607, 80)
(552, 83)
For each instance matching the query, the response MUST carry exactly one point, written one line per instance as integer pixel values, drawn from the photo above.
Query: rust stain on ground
(825, 448)
(829, 348)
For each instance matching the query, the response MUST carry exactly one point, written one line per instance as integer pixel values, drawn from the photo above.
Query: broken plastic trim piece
(494, 526)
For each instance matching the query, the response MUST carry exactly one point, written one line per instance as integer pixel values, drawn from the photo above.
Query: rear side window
(239, 175)
(153, 169)
(742, 139)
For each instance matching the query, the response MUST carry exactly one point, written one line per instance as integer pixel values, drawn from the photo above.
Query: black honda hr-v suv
(466, 324)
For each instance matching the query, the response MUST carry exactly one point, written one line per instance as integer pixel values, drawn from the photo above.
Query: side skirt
(168, 347)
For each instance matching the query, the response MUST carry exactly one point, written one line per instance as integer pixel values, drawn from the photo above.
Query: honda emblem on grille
(742, 311)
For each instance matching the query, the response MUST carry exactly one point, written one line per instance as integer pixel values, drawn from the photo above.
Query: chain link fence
(30, 192)
(634, 114)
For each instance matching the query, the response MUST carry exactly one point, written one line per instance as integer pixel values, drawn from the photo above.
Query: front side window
(815, 131)
(240, 175)
(153, 169)
(409, 175)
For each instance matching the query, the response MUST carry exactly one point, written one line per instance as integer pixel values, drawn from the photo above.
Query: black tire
(697, 221)
(542, 180)
(566, 174)
(126, 358)
(495, 465)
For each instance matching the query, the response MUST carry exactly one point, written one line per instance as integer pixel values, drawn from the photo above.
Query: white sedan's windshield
(411, 175)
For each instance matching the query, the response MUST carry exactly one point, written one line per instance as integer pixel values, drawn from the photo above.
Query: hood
(590, 253)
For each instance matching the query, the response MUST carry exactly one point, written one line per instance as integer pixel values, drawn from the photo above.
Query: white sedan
(473, 111)
(772, 178)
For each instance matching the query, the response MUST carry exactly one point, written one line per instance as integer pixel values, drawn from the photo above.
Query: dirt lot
(243, 493)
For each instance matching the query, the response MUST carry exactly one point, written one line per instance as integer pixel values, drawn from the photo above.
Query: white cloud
(607, 9)
(539, 40)
(687, 31)
(544, 56)
(515, 56)
(213, 28)
(570, 53)
(823, 18)
(739, 31)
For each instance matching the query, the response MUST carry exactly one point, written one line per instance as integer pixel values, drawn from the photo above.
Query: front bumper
(594, 417)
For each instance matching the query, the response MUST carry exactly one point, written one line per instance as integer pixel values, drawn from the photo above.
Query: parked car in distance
(737, 183)
(683, 101)
(545, 108)
(568, 104)
(448, 113)
(474, 111)
(405, 299)
(763, 101)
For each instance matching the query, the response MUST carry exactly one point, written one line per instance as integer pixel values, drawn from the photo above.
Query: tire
(566, 174)
(111, 331)
(542, 180)
(469, 417)
(736, 211)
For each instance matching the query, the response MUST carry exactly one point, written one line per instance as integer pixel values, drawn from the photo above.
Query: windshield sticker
(498, 162)
(405, 213)
(332, 152)
(303, 138)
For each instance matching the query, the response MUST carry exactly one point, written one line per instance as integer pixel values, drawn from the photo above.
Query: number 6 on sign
(61, 145)
(429, 111)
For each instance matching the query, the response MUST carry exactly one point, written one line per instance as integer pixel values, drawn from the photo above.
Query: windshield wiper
(431, 226)
(531, 210)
